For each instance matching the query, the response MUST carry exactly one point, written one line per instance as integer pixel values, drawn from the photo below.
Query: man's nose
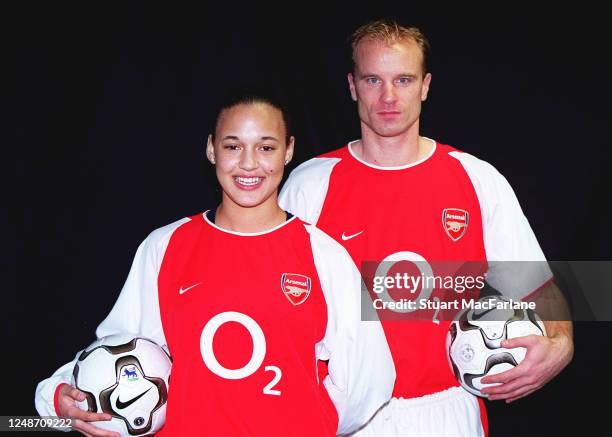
(388, 93)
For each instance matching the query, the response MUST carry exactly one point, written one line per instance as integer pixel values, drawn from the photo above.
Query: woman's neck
(233, 217)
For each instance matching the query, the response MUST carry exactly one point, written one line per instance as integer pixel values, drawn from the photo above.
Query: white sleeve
(135, 312)
(304, 192)
(517, 265)
(361, 371)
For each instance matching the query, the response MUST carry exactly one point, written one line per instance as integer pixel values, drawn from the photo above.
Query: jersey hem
(56, 398)
(537, 291)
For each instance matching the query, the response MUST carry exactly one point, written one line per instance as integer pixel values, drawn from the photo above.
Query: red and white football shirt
(245, 318)
(450, 206)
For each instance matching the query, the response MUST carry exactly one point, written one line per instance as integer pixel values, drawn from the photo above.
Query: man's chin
(389, 128)
(389, 132)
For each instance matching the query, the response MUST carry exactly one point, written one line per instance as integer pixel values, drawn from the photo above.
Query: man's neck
(391, 151)
(233, 217)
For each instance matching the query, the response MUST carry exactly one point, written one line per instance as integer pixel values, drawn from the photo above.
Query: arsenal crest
(455, 222)
(296, 287)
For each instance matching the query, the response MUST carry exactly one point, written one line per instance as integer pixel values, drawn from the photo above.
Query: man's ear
(425, 87)
(351, 82)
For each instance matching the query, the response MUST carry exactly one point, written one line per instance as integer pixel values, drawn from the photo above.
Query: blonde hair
(389, 32)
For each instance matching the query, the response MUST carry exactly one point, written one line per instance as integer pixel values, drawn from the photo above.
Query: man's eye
(404, 80)
(267, 148)
(372, 80)
(231, 146)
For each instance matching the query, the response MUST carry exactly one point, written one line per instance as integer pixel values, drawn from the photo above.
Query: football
(128, 378)
(473, 341)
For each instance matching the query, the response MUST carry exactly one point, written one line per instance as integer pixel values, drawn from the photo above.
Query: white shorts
(452, 412)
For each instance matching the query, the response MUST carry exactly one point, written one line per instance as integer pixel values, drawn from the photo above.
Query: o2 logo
(424, 268)
(257, 357)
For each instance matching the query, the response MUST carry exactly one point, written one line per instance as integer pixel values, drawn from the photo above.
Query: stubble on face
(389, 86)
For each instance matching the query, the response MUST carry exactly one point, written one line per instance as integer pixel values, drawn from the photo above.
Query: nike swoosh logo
(477, 316)
(348, 237)
(122, 405)
(183, 290)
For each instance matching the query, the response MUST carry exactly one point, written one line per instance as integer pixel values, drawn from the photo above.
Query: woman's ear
(289, 151)
(210, 150)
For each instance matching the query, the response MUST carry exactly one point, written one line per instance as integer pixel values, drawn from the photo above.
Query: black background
(108, 110)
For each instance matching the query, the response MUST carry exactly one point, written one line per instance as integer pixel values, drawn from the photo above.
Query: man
(395, 196)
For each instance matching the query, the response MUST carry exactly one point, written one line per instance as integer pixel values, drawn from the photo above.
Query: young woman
(274, 293)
